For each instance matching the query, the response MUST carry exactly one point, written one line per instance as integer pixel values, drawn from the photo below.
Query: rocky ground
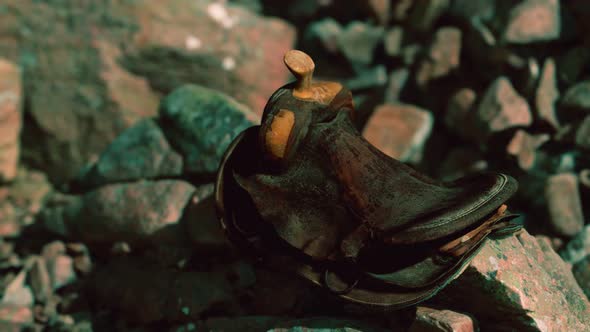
(114, 115)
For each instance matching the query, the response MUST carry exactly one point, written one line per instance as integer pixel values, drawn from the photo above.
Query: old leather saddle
(305, 192)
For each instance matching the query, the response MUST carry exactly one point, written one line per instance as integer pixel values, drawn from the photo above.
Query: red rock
(519, 284)
(533, 21)
(399, 130)
(547, 93)
(523, 146)
(432, 320)
(131, 212)
(10, 119)
(442, 57)
(15, 314)
(564, 204)
(9, 223)
(381, 9)
(501, 108)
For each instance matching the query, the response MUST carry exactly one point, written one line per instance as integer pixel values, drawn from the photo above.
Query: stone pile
(114, 116)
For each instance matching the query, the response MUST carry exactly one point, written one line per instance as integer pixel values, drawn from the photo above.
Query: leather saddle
(304, 191)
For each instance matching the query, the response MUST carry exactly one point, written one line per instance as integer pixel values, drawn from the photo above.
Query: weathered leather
(338, 208)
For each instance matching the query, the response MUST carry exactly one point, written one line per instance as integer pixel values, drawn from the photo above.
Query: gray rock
(397, 82)
(533, 21)
(140, 152)
(201, 123)
(581, 271)
(369, 78)
(10, 119)
(326, 32)
(577, 248)
(547, 93)
(501, 108)
(582, 138)
(564, 204)
(358, 41)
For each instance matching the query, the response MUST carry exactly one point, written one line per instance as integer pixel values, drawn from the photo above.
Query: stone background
(114, 115)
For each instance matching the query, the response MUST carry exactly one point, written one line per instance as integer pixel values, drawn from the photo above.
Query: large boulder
(519, 283)
(93, 69)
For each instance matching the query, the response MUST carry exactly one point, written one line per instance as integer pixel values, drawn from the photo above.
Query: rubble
(547, 94)
(429, 319)
(442, 57)
(358, 41)
(533, 21)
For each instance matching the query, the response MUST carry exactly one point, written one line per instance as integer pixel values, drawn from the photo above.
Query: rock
(581, 271)
(582, 138)
(577, 248)
(81, 256)
(17, 293)
(322, 324)
(368, 78)
(94, 69)
(442, 57)
(146, 293)
(459, 110)
(399, 130)
(564, 204)
(547, 93)
(10, 119)
(533, 21)
(325, 32)
(519, 284)
(358, 41)
(575, 102)
(201, 123)
(523, 146)
(40, 281)
(9, 223)
(140, 152)
(425, 13)
(501, 108)
(393, 41)
(129, 212)
(61, 271)
(429, 319)
(397, 83)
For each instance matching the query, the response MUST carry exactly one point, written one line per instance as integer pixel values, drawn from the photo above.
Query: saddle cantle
(306, 192)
